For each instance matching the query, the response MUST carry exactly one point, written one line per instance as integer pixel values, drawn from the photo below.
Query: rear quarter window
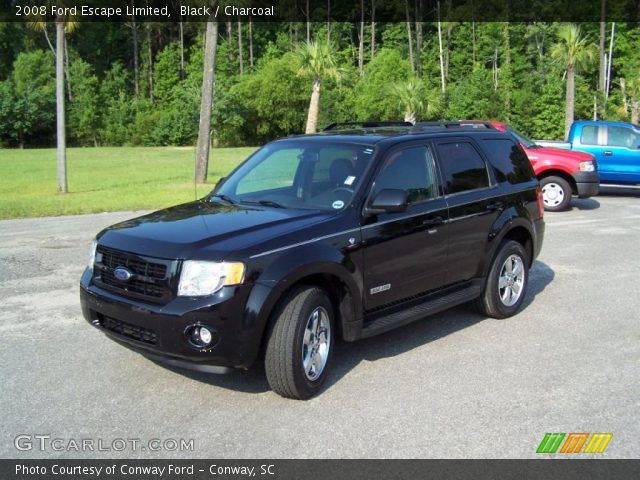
(509, 161)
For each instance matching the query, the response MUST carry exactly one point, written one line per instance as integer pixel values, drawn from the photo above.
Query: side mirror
(390, 200)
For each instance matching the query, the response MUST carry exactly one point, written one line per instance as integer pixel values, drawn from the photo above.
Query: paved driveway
(454, 385)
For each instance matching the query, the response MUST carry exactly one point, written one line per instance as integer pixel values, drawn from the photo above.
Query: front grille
(127, 330)
(150, 279)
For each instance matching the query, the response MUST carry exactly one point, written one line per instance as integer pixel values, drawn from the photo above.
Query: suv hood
(204, 229)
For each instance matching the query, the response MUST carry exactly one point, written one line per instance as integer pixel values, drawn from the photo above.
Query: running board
(621, 186)
(422, 310)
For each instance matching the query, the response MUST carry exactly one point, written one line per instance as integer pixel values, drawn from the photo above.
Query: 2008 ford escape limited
(343, 234)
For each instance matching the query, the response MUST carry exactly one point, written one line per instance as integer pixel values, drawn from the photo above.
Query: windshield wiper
(266, 203)
(226, 198)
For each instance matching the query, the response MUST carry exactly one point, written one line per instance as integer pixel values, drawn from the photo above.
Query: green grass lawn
(105, 179)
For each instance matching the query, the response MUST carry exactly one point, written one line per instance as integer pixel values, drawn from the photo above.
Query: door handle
(495, 205)
(607, 153)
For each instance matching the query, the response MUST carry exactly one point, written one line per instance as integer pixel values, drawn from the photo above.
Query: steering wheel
(342, 189)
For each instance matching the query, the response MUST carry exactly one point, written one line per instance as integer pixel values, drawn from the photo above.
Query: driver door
(405, 253)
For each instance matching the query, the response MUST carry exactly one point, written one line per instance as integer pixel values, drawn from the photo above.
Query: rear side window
(462, 167)
(622, 137)
(510, 162)
(589, 135)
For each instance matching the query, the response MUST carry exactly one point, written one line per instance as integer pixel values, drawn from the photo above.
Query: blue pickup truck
(615, 145)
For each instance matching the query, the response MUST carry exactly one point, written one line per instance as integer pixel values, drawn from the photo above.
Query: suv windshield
(298, 174)
(522, 139)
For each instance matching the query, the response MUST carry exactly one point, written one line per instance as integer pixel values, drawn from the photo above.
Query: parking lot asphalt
(454, 385)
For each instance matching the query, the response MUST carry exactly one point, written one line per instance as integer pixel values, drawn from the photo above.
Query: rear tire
(506, 285)
(300, 343)
(556, 193)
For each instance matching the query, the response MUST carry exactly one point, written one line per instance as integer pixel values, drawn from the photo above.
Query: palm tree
(315, 60)
(574, 52)
(415, 101)
(63, 24)
(409, 95)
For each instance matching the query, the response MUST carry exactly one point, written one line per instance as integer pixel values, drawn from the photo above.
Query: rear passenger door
(474, 201)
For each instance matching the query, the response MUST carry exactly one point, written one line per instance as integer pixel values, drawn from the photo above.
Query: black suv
(344, 234)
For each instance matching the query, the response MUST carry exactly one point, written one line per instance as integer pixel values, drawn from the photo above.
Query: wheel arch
(512, 227)
(562, 174)
(337, 275)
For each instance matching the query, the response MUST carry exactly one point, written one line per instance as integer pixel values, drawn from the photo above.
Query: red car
(562, 173)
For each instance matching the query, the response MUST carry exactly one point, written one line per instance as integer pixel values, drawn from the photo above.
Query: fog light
(201, 337)
(205, 336)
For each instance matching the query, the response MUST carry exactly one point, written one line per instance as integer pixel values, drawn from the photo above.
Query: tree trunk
(418, 11)
(240, 59)
(46, 36)
(150, 66)
(442, 74)
(308, 16)
(625, 99)
(570, 101)
(447, 51)
(66, 70)
(181, 48)
(373, 28)
(136, 66)
(361, 39)
(603, 23)
(474, 45)
(608, 72)
(314, 107)
(250, 43)
(635, 109)
(328, 21)
(61, 140)
(409, 36)
(206, 103)
(506, 73)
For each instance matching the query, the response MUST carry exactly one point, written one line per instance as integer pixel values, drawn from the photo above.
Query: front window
(298, 174)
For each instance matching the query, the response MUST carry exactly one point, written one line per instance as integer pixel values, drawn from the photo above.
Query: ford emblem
(123, 274)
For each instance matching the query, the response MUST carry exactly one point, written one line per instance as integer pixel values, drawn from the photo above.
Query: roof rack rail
(446, 124)
(371, 124)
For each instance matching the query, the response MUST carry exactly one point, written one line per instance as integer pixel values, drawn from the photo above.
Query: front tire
(556, 193)
(300, 343)
(507, 283)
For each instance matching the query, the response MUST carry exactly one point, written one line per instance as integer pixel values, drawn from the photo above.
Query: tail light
(540, 202)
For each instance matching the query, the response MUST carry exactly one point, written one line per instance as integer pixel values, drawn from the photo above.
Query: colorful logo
(573, 443)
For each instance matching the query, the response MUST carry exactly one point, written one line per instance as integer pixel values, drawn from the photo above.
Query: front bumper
(158, 331)
(587, 184)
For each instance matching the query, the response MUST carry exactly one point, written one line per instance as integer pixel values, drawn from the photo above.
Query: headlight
(200, 278)
(587, 166)
(92, 254)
